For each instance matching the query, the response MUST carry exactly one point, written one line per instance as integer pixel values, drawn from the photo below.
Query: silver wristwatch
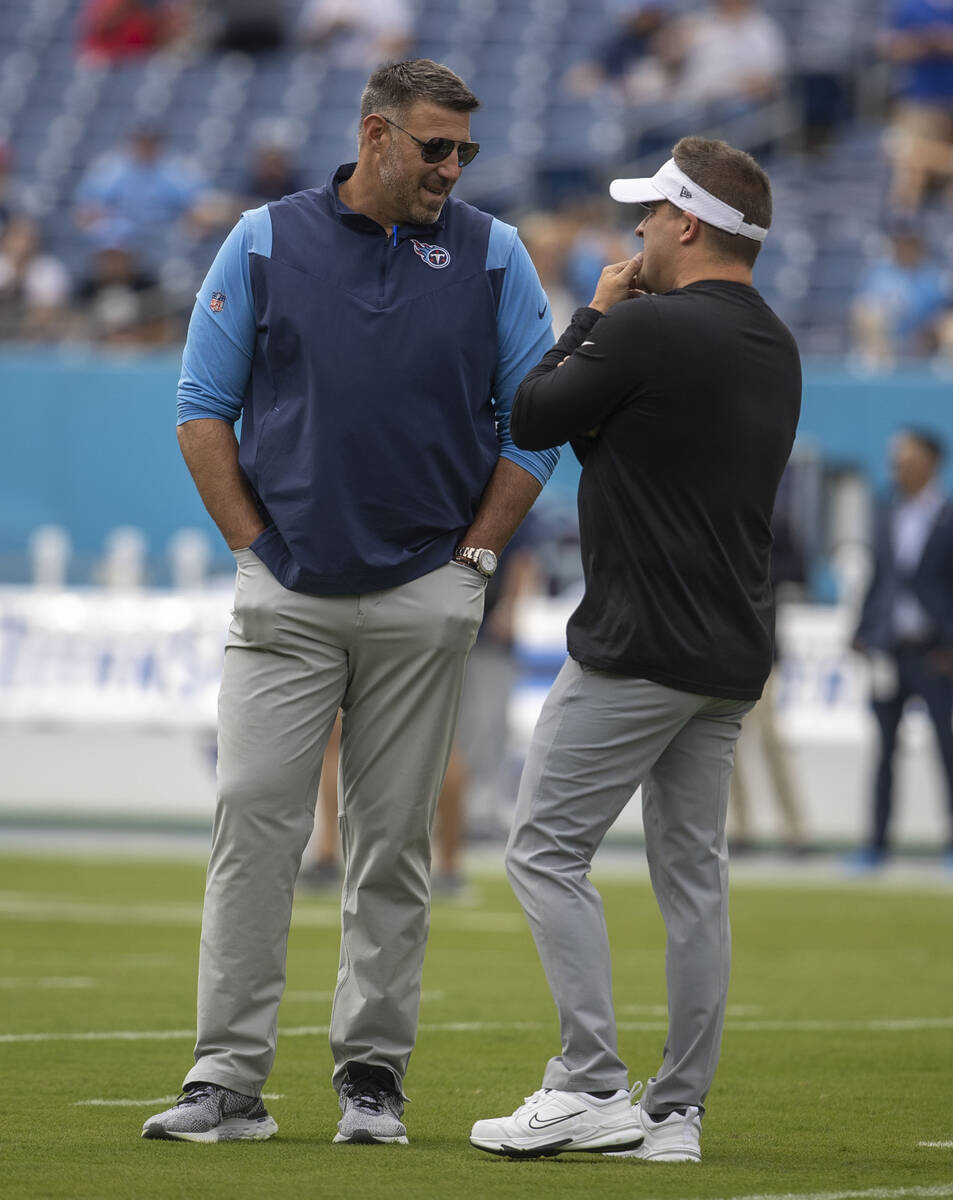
(483, 561)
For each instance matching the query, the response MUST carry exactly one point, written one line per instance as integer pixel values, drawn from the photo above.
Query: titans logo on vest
(433, 256)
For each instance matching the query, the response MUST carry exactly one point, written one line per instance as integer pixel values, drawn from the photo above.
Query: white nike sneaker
(675, 1139)
(551, 1122)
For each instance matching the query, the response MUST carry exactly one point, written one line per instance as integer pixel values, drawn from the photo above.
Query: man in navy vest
(371, 334)
(906, 625)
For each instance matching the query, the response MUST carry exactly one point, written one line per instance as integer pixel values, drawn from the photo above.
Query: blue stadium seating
(538, 143)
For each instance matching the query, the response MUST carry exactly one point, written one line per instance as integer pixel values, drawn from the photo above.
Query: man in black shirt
(679, 390)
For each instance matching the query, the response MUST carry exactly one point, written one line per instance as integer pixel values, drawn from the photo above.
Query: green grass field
(837, 1062)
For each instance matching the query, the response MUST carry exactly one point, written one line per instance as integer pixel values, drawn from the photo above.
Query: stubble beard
(404, 193)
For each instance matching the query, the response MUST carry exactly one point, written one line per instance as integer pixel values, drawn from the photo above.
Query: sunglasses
(435, 149)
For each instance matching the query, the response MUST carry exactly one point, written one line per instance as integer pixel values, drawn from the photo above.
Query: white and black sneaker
(371, 1107)
(553, 1122)
(672, 1137)
(209, 1113)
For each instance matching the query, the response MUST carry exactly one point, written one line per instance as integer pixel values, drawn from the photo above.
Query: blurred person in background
(730, 57)
(140, 192)
(906, 623)
(35, 286)
(358, 35)
(322, 867)
(246, 26)
(590, 245)
(373, 487)
(121, 302)
(788, 574)
(918, 41)
(547, 237)
(900, 302)
(10, 205)
(679, 390)
(110, 30)
(831, 45)
(633, 58)
(272, 172)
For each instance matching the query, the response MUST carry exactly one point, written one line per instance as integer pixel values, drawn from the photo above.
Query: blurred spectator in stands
(830, 46)
(248, 26)
(6, 198)
(591, 243)
(547, 237)
(123, 304)
(272, 172)
(900, 303)
(788, 574)
(117, 29)
(358, 36)
(135, 194)
(906, 623)
(634, 58)
(919, 41)
(730, 56)
(34, 286)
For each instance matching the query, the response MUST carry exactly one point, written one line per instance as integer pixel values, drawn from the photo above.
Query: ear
(690, 229)
(376, 131)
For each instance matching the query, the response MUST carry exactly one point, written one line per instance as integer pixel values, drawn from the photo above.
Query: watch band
(477, 558)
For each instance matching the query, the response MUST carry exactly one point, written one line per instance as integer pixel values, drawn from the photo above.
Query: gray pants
(598, 738)
(393, 661)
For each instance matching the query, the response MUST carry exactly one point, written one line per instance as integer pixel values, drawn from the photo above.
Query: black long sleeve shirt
(682, 409)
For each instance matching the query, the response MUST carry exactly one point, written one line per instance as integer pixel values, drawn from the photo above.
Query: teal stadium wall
(89, 443)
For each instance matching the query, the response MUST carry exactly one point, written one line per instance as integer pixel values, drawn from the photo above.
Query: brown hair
(732, 176)
(395, 87)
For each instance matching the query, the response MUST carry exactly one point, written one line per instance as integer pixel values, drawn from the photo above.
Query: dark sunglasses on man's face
(435, 149)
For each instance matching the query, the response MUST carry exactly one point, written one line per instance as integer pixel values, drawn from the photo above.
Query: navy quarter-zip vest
(377, 380)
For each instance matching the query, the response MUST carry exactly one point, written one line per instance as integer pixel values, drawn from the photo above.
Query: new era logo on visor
(433, 256)
(686, 193)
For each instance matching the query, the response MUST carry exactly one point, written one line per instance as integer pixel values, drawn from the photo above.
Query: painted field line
(46, 982)
(25, 906)
(939, 1189)
(937, 1145)
(167, 1035)
(299, 997)
(886, 1025)
(102, 1103)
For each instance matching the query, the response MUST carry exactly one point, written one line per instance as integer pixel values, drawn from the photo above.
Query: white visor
(670, 183)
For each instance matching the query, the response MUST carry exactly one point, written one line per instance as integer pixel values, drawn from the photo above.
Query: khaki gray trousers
(598, 738)
(393, 661)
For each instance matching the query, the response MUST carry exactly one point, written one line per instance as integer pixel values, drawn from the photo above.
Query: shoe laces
(367, 1094)
(195, 1095)
(636, 1090)
(538, 1097)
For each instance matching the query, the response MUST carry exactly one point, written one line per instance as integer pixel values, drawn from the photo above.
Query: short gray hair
(395, 87)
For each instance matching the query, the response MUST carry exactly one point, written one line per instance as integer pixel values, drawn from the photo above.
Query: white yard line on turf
(46, 982)
(168, 1035)
(939, 1189)
(99, 1103)
(937, 1145)
(26, 906)
(297, 997)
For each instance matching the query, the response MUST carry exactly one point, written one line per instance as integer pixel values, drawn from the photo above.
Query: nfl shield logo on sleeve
(217, 303)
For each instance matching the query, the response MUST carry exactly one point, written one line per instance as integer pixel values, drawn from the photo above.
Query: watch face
(486, 561)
